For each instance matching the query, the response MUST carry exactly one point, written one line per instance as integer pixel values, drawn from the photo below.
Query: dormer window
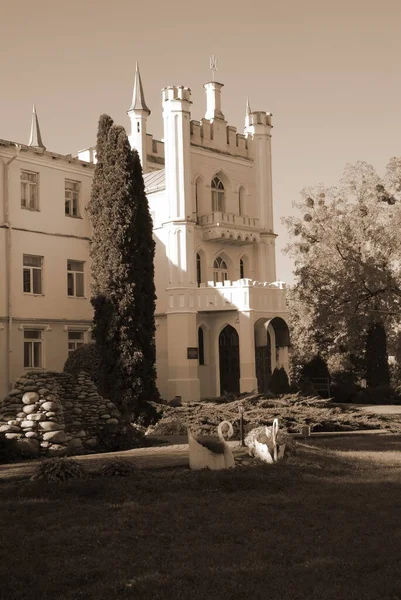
(217, 195)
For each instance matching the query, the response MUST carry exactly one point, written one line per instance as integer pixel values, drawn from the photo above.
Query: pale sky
(328, 71)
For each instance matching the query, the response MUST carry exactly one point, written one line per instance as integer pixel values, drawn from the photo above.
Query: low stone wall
(53, 414)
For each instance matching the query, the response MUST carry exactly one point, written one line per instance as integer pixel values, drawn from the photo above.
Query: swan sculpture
(262, 443)
(211, 452)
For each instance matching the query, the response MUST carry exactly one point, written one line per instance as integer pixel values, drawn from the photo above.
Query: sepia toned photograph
(200, 300)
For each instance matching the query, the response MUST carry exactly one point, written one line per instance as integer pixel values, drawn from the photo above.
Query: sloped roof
(155, 181)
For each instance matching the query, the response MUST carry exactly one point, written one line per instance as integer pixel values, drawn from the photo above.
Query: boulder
(30, 397)
(56, 437)
(49, 426)
(29, 408)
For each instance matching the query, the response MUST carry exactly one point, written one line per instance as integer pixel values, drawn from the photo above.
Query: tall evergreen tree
(377, 370)
(122, 255)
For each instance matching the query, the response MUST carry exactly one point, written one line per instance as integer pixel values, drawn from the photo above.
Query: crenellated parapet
(227, 140)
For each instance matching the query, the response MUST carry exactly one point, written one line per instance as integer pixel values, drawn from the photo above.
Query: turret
(138, 114)
(258, 126)
(35, 139)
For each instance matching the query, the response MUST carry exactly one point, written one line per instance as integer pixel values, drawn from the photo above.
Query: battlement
(219, 136)
(154, 148)
(174, 92)
(260, 117)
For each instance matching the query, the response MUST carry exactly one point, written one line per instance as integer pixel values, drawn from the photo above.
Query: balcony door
(229, 360)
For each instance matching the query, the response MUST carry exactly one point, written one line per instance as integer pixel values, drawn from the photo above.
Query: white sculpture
(211, 452)
(263, 443)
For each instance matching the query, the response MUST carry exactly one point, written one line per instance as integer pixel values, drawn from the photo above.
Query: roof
(155, 181)
(138, 97)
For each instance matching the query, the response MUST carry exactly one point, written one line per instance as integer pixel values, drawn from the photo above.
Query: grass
(324, 524)
(292, 411)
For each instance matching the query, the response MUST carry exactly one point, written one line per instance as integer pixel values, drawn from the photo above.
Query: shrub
(378, 395)
(317, 372)
(8, 450)
(86, 358)
(118, 468)
(170, 427)
(344, 391)
(122, 437)
(279, 383)
(58, 469)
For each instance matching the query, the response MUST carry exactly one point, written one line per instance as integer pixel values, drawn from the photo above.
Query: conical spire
(35, 140)
(138, 97)
(248, 107)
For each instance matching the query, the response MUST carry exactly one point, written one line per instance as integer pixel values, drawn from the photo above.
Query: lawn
(323, 524)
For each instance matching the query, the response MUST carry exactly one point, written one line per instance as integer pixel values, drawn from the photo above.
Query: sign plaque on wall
(192, 353)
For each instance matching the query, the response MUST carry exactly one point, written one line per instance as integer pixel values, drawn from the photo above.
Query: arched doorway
(229, 360)
(263, 364)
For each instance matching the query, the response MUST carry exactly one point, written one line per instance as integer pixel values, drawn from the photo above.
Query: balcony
(229, 228)
(243, 294)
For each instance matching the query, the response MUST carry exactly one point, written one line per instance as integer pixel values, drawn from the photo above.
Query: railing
(217, 218)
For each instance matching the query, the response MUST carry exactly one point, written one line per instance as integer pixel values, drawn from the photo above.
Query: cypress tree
(122, 255)
(377, 370)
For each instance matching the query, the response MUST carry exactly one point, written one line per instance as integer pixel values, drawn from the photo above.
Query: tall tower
(138, 114)
(35, 139)
(181, 313)
(258, 126)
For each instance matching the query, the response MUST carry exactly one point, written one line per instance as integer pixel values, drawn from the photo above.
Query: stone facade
(54, 414)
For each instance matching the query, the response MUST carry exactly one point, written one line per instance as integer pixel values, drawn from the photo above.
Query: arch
(200, 266)
(198, 193)
(281, 331)
(220, 269)
(229, 361)
(241, 201)
(271, 349)
(218, 194)
(245, 270)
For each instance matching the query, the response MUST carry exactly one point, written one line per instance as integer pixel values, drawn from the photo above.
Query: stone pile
(53, 414)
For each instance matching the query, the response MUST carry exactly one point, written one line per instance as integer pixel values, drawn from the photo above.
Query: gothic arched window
(241, 269)
(198, 270)
(220, 271)
(201, 346)
(217, 195)
(241, 202)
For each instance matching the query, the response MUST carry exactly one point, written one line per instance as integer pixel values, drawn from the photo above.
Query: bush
(86, 358)
(120, 437)
(8, 450)
(118, 468)
(56, 470)
(344, 391)
(317, 372)
(378, 395)
(170, 427)
(279, 383)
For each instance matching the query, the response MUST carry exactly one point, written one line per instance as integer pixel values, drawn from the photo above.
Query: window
(241, 202)
(241, 269)
(72, 189)
(75, 278)
(198, 197)
(32, 274)
(217, 195)
(29, 190)
(32, 349)
(75, 340)
(198, 270)
(220, 271)
(201, 347)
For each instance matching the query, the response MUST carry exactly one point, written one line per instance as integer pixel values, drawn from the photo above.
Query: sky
(328, 71)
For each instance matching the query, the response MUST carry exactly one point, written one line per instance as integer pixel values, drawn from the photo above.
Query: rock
(36, 417)
(50, 426)
(81, 434)
(106, 416)
(31, 434)
(92, 443)
(76, 411)
(57, 437)
(110, 405)
(45, 444)
(26, 424)
(28, 447)
(51, 414)
(10, 429)
(32, 389)
(49, 406)
(56, 450)
(30, 397)
(112, 421)
(12, 436)
(29, 408)
(13, 422)
(43, 391)
(75, 443)
(68, 404)
(14, 392)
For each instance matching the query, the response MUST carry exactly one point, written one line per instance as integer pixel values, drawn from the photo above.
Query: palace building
(221, 317)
